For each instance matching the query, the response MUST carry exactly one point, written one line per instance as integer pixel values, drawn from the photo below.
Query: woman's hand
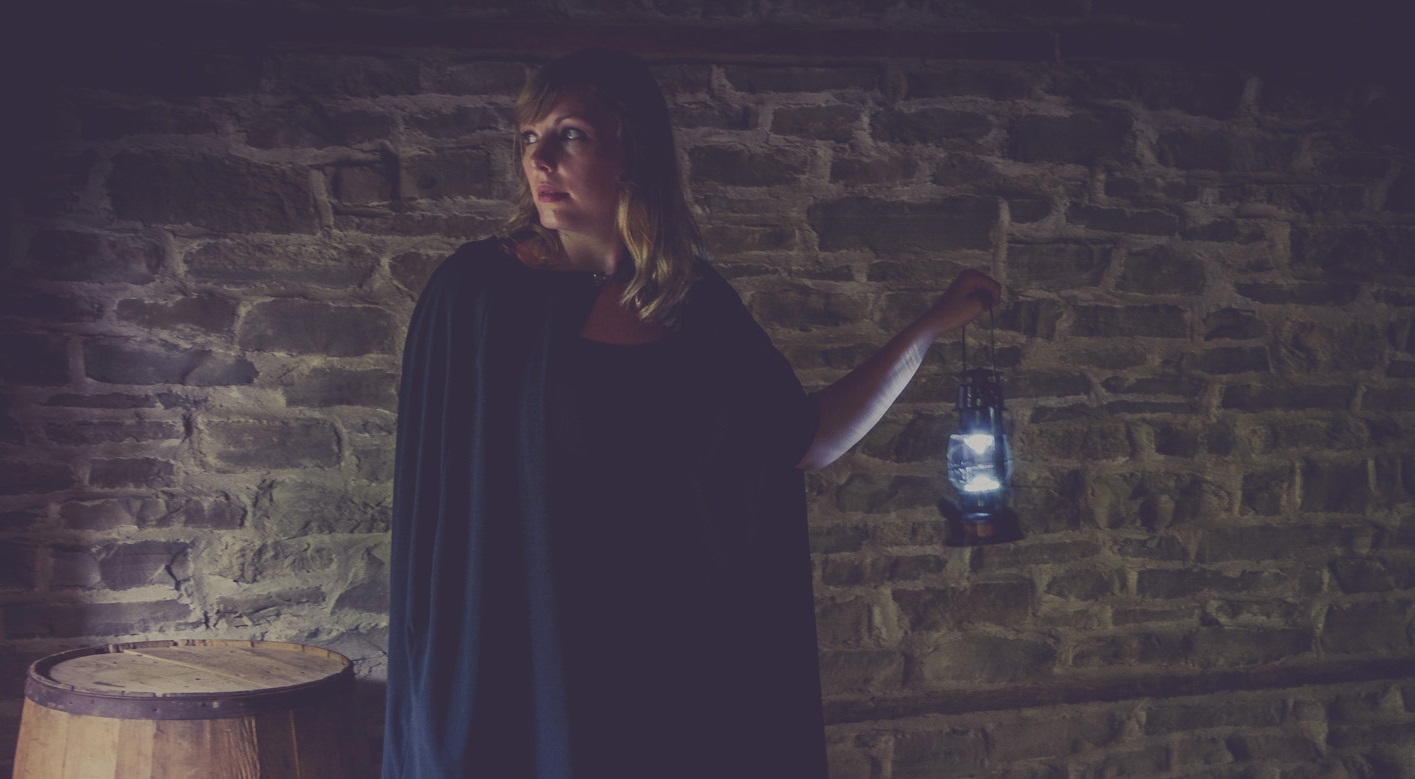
(971, 293)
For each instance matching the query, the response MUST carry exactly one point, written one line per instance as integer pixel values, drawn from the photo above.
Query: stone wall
(219, 222)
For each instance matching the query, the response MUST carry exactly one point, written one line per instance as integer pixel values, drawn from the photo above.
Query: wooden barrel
(181, 709)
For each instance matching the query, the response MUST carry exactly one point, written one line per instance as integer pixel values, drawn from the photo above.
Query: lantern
(979, 462)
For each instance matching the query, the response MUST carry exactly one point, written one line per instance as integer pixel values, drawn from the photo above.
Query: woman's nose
(542, 156)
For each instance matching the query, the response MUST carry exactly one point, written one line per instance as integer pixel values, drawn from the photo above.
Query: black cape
(480, 683)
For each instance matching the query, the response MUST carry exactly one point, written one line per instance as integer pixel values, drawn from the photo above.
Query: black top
(599, 555)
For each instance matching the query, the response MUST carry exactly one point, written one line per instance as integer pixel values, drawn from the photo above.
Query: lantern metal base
(1000, 526)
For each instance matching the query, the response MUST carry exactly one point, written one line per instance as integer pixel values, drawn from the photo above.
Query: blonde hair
(653, 217)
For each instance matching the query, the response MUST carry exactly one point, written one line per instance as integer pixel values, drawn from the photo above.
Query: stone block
(284, 261)
(121, 361)
(1161, 270)
(1139, 761)
(109, 514)
(1230, 647)
(1228, 360)
(1082, 585)
(1356, 575)
(891, 227)
(715, 116)
(448, 173)
(724, 239)
(947, 755)
(353, 184)
(1394, 399)
(34, 359)
(34, 478)
(66, 255)
(1138, 221)
(474, 78)
(1233, 324)
(804, 308)
(744, 168)
(1045, 384)
(1306, 348)
(17, 566)
(861, 671)
(287, 508)
(995, 80)
(1361, 628)
(1248, 397)
(871, 493)
(766, 78)
(983, 659)
(1232, 712)
(945, 127)
(854, 758)
(1032, 318)
(1031, 553)
(240, 445)
(823, 122)
(1193, 86)
(1152, 321)
(1047, 500)
(346, 74)
(308, 327)
(125, 566)
(26, 304)
(1164, 583)
(1275, 542)
(326, 387)
(1081, 139)
(1130, 649)
(1354, 253)
(209, 313)
(836, 538)
(314, 125)
(131, 472)
(1299, 293)
(1089, 441)
(103, 400)
(1162, 384)
(863, 171)
(370, 597)
(854, 621)
(1267, 492)
(74, 620)
(222, 193)
(252, 610)
(988, 603)
(82, 432)
(1056, 266)
(1156, 500)
(1224, 150)
(1336, 486)
(411, 270)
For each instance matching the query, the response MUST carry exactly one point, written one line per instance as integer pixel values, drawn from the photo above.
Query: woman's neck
(598, 255)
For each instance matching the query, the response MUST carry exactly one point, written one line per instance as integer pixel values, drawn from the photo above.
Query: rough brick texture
(1205, 228)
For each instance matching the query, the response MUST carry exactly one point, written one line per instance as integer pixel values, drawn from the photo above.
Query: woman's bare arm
(851, 406)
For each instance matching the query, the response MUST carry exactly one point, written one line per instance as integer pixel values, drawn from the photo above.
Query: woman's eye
(529, 138)
(573, 134)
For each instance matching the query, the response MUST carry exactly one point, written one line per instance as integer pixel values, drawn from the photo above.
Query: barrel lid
(188, 679)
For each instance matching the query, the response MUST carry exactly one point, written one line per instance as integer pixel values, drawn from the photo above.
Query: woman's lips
(550, 195)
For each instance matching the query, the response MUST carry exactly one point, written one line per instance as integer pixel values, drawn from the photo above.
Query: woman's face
(573, 159)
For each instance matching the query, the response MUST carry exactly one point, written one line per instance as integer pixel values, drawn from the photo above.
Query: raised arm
(851, 406)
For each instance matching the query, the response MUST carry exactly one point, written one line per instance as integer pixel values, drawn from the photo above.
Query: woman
(599, 550)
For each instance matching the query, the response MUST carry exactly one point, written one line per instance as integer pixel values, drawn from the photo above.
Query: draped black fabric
(600, 564)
